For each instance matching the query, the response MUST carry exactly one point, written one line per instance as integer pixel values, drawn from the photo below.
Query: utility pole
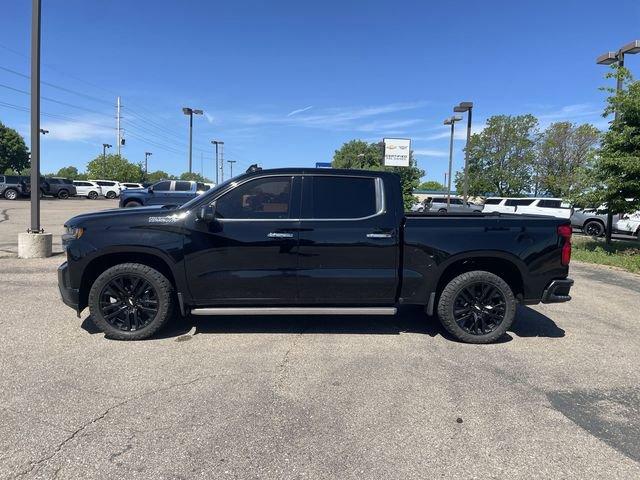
(216, 143)
(222, 161)
(35, 117)
(231, 162)
(118, 131)
(191, 112)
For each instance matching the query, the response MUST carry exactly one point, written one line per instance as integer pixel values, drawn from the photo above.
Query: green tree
(431, 185)
(114, 167)
(361, 155)
(71, 173)
(615, 176)
(158, 175)
(13, 151)
(501, 157)
(563, 152)
(195, 177)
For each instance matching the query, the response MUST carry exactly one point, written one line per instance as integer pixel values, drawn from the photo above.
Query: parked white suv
(110, 189)
(85, 188)
(553, 207)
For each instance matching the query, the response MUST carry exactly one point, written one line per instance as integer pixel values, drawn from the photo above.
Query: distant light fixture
(607, 58)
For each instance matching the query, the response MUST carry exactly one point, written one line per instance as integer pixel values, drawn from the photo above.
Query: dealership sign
(396, 152)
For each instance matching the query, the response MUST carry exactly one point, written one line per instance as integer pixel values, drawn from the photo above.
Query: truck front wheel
(131, 301)
(477, 307)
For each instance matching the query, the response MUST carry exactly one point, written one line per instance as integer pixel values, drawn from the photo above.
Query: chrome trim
(295, 311)
(379, 235)
(280, 235)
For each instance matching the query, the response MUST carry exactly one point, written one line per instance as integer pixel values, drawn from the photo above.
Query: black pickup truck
(307, 242)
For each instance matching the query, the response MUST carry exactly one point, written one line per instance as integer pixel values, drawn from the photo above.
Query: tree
(13, 151)
(195, 177)
(71, 173)
(370, 156)
(563, 152)
(501, 157)
(158, 175)
(432, 185)
(615, 176)
(114, 167)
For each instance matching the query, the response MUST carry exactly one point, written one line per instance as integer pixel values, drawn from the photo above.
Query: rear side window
(550, 204)
(263, 198)
(162, 186)
(456, 201)
(518, 202)
(106, 184)
(183, 186)
(12, 179)
(492, 201)
(343, 197)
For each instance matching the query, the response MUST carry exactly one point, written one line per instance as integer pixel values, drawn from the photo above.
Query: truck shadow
(529, 323)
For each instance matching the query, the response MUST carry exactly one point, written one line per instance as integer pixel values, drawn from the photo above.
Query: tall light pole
(610, 58)
(451, 121)
(191, 112)
(146, 165)
(216, 143)
(35, 116)
(231, 162)
(466, 107)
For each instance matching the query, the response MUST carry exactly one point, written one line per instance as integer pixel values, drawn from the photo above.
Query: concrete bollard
(35, 245)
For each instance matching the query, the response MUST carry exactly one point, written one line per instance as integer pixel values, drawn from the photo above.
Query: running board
(295, 311)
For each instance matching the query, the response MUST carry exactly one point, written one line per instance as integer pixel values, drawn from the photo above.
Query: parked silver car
(593, 222)
(456, 205)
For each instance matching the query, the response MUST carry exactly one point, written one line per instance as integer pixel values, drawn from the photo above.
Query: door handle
(280, 235)
(379, 235)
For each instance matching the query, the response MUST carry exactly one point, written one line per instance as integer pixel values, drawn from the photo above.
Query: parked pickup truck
(307, 242)
(164, 192)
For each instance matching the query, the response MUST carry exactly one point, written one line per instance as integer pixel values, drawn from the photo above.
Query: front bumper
(70, 296)
(557, 291)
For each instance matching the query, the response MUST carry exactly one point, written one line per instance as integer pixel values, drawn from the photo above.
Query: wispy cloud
(570, 112)
(425, 152)
(210, 118)
(300, 110)
(77, 130)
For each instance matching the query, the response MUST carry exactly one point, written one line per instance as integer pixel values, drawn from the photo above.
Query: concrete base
(35, 245)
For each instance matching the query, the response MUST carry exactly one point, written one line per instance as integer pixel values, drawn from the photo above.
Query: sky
(286, 83)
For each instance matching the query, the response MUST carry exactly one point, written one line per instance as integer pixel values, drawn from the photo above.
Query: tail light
(565, 231)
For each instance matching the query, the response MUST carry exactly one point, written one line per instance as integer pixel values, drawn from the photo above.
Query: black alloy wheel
(479, 308)
(92, 195)
(111, 195)
(129, 302)
(63, 194)
(594, 229)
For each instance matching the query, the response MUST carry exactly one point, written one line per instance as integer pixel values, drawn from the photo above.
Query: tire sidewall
(92, 195)
(453, 289)
(159, 282)
(10, 194)
(593, 222)
(132, 204)
(63, 194)
(111, 195)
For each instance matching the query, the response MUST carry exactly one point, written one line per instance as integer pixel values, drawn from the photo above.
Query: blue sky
(285, 83)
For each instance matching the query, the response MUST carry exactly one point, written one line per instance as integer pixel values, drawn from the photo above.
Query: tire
(442, 210)
(111, 195)
(11, 194)
(63, 194)
(488, 318)
(138, 315)
(593, 228)
(132, 204)
(92, 195)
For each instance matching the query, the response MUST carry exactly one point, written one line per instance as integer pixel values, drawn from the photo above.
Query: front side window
(492, 201)
(344, 197)
(263, 198)
(183, 186)
(550, 203)
(163, 186)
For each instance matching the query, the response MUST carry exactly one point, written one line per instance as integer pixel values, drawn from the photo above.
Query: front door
(248, 254)
(348, 242)
(159, 195)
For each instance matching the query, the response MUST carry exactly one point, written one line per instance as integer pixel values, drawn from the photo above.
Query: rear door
(183, 191)
(348, 242)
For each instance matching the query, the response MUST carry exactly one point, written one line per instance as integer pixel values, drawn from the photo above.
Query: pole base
(35, 245)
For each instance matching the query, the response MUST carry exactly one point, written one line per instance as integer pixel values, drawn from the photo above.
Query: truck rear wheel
(131, 301)
(477, 307)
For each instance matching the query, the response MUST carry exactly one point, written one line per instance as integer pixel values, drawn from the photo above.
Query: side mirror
(207, 213)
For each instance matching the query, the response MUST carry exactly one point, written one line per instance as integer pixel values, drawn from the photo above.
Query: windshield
(209, 192)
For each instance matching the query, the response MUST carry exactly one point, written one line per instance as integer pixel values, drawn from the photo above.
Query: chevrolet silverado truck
(309, 242)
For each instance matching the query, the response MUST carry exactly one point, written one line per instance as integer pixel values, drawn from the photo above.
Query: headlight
(72, 233)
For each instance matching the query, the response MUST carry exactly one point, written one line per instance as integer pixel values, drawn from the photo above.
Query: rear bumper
(557, 291)
(70, 296)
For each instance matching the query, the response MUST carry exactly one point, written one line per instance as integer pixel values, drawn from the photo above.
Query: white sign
(396, 152)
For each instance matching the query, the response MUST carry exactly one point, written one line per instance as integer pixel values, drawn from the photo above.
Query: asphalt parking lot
(319, 397)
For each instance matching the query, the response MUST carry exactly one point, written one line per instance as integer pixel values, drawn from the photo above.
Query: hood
(157, 214)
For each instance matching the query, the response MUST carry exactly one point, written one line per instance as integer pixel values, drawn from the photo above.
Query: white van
(553, 207)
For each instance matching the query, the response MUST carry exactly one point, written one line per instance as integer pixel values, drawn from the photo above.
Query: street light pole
(466, 107)
(35, 116)
(451, 121)
(610, 58)
(216, 143)
(146, 165)
(191, 112)
(231, 162)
